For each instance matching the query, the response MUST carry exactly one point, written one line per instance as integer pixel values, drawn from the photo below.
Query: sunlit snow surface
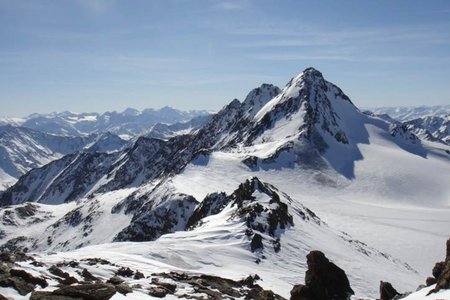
(220, 247)
(386, 202)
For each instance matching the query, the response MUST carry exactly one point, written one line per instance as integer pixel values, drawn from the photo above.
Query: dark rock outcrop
(17, 283)
(64, 277)
(256, 243)
(430, 281)
(94, 261)
(123, 289)
(28, 277)
(443, 280)
(115, 280)
(138, 275)
(150, 221)
(212, 204)
(438, 268)
(42, 295)
(387, 291)
(93, 291)
(88, 276)
(323, 281)
(20, 280)
(301, 292)
(213, 286)
(158, 292)
(125, 272)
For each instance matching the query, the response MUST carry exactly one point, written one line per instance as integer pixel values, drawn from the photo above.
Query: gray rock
(93, 291)
(387, 291)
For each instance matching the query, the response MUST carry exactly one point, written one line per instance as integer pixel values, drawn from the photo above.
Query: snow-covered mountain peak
(308, 106)
(309, 74)
(259, 96)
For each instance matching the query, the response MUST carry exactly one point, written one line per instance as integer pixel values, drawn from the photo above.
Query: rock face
(178, 285)
(91, 291)
(20, 280)
(323, 281)
(443, 280)
(438, 268)
(212, 286)
(387, 291)
(265, 216)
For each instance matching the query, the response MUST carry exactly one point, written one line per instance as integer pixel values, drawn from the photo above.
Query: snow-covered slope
(22, 149)
(307, 143)
(407, 113)
(165, 131)
(422, 294)
(255, 229)
(107, 142)
(129, 122)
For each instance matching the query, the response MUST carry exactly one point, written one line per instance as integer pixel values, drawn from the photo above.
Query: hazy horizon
(206, 110)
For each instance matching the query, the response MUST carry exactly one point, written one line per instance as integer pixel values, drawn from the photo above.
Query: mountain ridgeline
(307, 100)
(130, 122)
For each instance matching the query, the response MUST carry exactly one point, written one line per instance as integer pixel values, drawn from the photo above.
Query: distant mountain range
(31, 142)
(408, 113)
(130, 122)
(431, 123)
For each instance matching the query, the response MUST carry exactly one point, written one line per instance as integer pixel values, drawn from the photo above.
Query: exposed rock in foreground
(14, 274)
(441, 271)
(90, 291)
(323, 281)
(387, 291)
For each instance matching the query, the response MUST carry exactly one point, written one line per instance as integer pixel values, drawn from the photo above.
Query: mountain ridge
(128, 122)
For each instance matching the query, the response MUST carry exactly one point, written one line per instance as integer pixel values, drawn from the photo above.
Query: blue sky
(96, 55)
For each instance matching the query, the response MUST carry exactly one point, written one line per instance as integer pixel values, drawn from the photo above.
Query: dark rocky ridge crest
(183, 212)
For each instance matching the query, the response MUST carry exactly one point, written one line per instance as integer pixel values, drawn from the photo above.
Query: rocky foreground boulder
(387, 291)
(441, 273)
(323, 281)
(73, 280)
(90, 291)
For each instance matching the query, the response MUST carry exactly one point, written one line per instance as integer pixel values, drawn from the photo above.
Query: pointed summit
(308, 76)
(312, 73)
(308, 106)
